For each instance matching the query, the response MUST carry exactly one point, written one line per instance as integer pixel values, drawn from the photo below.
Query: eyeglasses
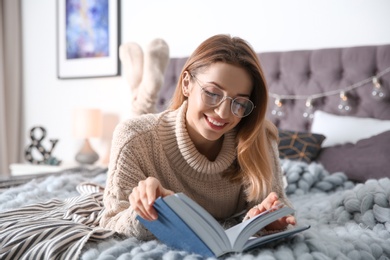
(213, 96)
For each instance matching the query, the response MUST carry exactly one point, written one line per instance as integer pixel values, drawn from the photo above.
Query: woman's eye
(211, 94)
(241, 105)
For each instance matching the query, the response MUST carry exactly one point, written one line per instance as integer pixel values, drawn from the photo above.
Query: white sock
(156, 59)
(132, 59)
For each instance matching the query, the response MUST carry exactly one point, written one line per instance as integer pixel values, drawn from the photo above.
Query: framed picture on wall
(87, 38)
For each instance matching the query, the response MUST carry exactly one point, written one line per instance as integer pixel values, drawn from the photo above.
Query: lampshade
(87, 123)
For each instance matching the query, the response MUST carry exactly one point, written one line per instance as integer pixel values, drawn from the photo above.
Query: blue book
(183, 224)
(173, 231)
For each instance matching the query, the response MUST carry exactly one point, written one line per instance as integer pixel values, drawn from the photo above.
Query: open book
(183, 224)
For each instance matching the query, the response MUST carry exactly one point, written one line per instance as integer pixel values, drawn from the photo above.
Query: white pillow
(346, 129)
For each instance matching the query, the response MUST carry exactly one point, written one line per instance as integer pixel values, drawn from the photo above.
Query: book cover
(184, 224)
(173, 231)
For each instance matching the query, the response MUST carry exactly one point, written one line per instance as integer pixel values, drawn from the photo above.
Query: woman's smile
(214, 123)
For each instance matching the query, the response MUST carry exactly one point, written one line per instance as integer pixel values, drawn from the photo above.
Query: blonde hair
(254, 162)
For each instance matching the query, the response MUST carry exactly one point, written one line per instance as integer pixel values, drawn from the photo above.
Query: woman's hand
(143, 196)
(272, 200)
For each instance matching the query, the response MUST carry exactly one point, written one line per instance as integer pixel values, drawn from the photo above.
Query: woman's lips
(215, 124)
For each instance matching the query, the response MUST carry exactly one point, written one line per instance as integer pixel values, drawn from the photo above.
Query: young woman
(213, 144)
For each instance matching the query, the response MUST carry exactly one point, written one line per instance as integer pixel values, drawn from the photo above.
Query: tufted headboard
(324, 72)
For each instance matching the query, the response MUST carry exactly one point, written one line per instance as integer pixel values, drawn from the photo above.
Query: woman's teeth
(216, 123)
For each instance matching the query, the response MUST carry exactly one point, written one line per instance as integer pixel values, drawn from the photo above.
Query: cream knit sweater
(158, 145)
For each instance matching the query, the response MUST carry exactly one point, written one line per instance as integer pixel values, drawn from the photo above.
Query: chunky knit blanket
(348, 220)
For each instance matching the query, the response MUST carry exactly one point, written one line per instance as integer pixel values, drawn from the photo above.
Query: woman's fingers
(143, 196)
(270, 203)
(136, 204)
(267, 203)
(145, 188)
(150, 186)
(281, 223)
(291, 220)
(165, 192)
(140, 201)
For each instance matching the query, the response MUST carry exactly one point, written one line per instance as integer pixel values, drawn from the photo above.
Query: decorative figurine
(46, 157)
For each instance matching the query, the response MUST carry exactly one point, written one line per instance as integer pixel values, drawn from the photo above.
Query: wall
(267, 25)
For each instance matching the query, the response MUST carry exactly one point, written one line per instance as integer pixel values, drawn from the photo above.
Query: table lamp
(87, 124)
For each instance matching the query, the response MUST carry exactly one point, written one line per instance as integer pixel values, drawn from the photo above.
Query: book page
(234, 231)
(239, 234)
(257, 241)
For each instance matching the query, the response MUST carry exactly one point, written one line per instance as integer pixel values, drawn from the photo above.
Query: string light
(378, 92)
(308, 114)
(344, 106)
(278, 110)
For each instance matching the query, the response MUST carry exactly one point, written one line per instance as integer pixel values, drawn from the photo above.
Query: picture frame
(88, 38)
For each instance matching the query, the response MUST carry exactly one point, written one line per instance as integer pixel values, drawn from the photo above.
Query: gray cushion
(368, 158)
(299, 146)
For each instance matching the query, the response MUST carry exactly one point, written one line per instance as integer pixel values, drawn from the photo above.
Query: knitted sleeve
(124, 174)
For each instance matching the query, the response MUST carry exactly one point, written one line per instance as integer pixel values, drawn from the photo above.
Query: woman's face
(208, 124)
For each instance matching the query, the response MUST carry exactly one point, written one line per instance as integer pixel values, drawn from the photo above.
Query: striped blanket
(56, 229)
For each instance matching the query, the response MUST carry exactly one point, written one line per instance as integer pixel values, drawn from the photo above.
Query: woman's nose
(223, 110)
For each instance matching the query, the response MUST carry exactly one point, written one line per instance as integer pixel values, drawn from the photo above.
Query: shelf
(18, 169)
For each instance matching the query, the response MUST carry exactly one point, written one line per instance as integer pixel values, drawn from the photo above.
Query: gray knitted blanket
(348, 221)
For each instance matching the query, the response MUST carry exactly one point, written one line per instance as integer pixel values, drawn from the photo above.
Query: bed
(332, 108)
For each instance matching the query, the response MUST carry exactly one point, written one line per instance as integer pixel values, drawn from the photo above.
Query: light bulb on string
(308, 114)
(347, 102)
(378, 91)
(278, 110)
(344, 105)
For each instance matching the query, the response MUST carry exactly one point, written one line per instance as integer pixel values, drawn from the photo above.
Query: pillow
(299, 146)
(367, 159)
(346, 129)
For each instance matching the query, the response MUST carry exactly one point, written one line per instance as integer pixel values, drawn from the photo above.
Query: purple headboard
(307, 72)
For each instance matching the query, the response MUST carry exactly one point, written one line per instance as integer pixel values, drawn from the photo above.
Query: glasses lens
(212, 96)
(242, 107)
